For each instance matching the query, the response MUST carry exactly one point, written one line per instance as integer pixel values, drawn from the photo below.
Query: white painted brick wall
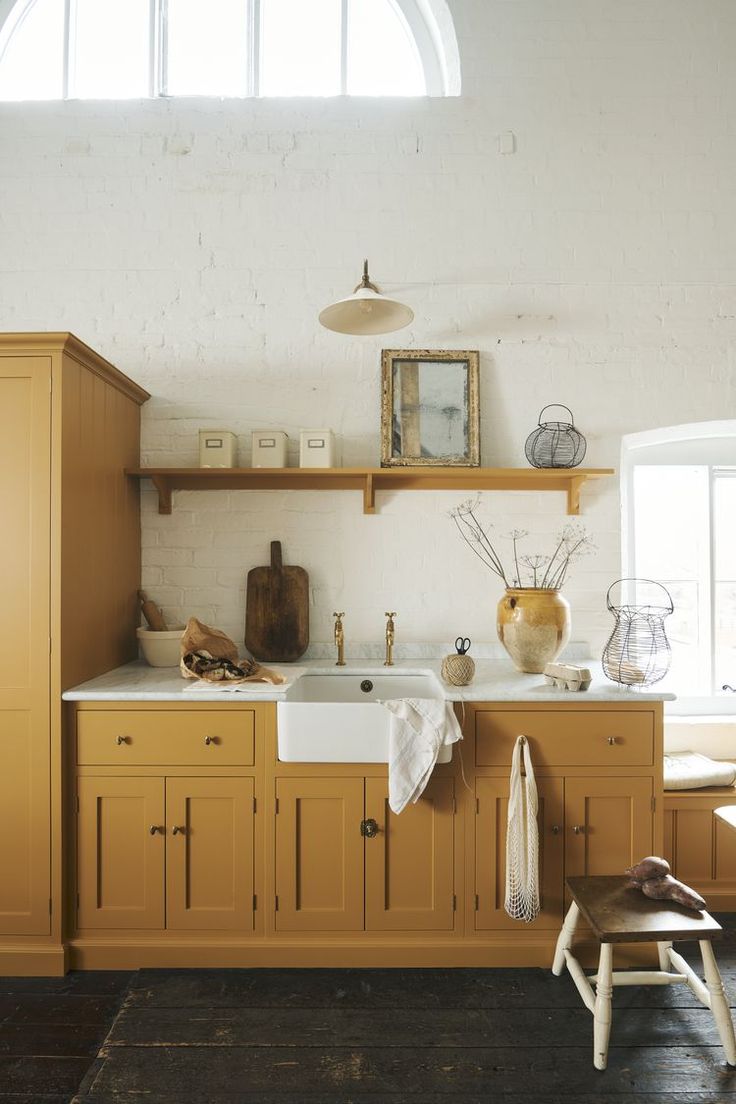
(194, 242)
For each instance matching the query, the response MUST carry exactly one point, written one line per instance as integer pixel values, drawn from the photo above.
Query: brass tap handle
(390, 637)
(339, 639)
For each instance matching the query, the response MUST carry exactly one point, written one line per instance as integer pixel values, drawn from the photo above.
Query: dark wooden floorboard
(258, 1027)
(371, 989)
(54, 1040)
(51, 1030)
(99, 982)
(367, 1071)
(348, 1097)
(37, 1074)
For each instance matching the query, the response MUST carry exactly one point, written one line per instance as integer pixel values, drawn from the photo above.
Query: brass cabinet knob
(178, 830)
(369, 828)
(612, 740)
(578, 828)
(156, 828)
(122, 740)
(555, 829)
(210, 740)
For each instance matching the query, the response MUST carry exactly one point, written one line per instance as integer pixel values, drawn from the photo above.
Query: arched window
(118, 49)
(679, 527)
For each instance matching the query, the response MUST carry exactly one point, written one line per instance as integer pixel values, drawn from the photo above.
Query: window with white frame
(680, 530)
(117, 49)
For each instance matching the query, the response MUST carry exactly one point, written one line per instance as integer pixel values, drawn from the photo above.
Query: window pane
(382, 57)
(724, 526)
(671, 527)
(300, 47)
(110, 48)
(32, 65)
(207, 48)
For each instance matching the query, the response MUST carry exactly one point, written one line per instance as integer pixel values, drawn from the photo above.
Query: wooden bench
(617, 914)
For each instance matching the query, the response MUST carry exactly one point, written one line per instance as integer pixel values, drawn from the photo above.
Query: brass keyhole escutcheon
(369, 828)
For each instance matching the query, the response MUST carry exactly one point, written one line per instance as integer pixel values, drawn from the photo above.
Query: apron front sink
(339, 718)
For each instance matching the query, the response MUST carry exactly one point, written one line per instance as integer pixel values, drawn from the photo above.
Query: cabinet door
(492, 802)
(409, 867)
(319, 854)
(25, 494)
(120, 861)
(209, 853)
(608, 824)
(699, 846)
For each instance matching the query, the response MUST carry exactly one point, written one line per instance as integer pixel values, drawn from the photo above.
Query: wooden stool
(620, 915)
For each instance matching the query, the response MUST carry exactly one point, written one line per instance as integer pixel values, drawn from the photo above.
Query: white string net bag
(522, 839)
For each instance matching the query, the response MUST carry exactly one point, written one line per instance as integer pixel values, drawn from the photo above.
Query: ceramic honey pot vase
(533, 624)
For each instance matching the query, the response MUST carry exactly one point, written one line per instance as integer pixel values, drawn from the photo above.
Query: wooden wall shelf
(369, 480)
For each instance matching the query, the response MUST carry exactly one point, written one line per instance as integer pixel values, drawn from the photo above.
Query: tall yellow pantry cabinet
(69, 570)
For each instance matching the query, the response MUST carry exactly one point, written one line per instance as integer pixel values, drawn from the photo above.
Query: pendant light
(366, 311)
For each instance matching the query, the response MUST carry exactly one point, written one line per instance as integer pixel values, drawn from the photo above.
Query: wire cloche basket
(638, 652)
(555, 444)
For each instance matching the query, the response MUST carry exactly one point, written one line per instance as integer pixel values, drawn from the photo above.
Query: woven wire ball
(638, 652)
(555, 444)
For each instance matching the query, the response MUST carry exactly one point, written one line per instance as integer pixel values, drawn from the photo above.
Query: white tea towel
(522, 839)
(419, 728)
(690, 771)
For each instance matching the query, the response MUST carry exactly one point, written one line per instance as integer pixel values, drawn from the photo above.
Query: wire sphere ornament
(638, 652)
(555, 444)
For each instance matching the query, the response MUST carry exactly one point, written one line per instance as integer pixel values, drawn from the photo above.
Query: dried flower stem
(572, 543)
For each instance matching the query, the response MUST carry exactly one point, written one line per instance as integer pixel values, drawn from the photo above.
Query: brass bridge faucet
(339, 639)
(390, 637)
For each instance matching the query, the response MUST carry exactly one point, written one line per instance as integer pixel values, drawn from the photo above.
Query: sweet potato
(668, 888)
(650, 867)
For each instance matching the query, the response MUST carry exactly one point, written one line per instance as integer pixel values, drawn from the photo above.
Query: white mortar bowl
(161, 649)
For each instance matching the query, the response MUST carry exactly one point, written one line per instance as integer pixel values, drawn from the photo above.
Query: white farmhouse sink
(338, 718)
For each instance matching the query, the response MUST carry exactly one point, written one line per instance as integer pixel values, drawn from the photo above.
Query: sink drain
(366, 686)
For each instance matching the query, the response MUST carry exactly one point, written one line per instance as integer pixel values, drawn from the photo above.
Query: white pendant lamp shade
(366, 311)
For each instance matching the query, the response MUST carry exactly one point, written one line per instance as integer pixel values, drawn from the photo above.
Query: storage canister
(269, 448)
(217, 448)
(317, 448)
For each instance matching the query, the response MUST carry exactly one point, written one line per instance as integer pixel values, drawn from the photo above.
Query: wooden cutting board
(277, 611)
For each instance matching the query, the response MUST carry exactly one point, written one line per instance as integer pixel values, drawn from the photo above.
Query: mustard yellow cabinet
(344, 862)
(598, 773)
(121, 853)
(69, 569)
(25, 494)
(319, 854)
(209, 853)
(608, 824)
(174, 853)
(409, 863)
(492, 799)
(700, 848)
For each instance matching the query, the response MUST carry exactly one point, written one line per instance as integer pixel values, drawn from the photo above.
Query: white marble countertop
(495, 680)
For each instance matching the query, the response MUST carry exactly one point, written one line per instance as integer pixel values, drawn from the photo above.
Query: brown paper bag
(211, 655)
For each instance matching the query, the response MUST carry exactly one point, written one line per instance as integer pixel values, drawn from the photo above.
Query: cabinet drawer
(131, 738)
(566, 739)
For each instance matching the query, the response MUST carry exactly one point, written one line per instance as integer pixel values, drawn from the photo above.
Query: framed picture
(430, 413)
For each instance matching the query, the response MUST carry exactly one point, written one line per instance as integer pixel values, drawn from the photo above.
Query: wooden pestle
(152, 613)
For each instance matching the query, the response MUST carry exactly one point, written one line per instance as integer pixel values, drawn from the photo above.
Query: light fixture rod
(366, 281)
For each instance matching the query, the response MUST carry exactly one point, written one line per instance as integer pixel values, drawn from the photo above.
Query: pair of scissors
(462, 645)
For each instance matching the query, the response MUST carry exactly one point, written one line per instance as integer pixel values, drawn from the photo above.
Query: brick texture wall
(193, 242)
